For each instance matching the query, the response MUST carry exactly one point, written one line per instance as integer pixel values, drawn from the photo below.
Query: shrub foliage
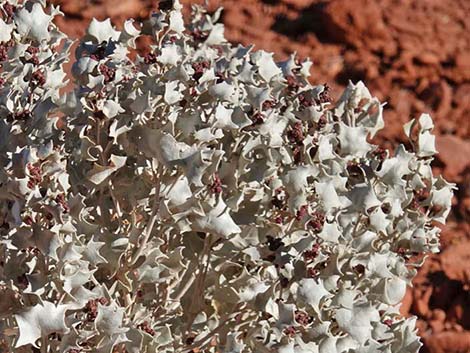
(200, 198)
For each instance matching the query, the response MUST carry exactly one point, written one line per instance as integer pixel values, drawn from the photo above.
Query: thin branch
(153, 218)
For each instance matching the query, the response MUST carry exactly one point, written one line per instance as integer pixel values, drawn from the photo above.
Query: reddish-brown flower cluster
(198, 35)
(279, 219)
(35, 175)
(199, 68)
(38, 78)
(4, 48)
(305, 100)
(290, 331)
(312, 272)
(302, 318)
(145, 326)
(34, 55)
(99, 53)
(317, 221)
(419, 196)
(324, 96)
(312, 253)
(293, 83)
(257, 118)
(108, 72)
(150, 58)
(91, 308)
(28, 220)
(322, 122)
(302, 212)
(216, 187)
(359, 269)
(268, 104)
(278, 201)
(9, 10)
(60, 199)
(296, 134)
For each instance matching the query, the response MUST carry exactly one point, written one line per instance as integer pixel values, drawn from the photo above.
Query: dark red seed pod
(324, 96)
(9, 10)
(257, 118)
(322, 122)
(317, 221)
(290, 331)
(302, 318)
(312, 253)
(312, 272)
(296, 134)
(216, 186)
(108, 72)
(292, 83)
(39, 78)
(268, 104)
(360, 269)
(305, 101)
(302, 212)
(150, 58)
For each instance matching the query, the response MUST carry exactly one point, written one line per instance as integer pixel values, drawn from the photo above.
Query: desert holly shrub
(200, 198)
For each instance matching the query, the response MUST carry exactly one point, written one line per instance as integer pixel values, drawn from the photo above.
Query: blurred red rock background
(414, 54)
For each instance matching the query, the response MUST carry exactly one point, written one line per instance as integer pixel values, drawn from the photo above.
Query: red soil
(413, 54)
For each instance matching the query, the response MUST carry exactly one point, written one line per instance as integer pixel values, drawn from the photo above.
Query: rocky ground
(415, 55)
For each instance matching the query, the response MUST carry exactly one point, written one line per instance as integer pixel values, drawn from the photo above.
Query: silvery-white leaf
(216, 221)
(33, 24)
(325, 149)
(112, 109)
(169, 55)
(378, 220)
(257, 95)
(425, 122)
(223, 118)
(223, 91)
(109, 319)
(216, 35)
(172, 93)
(267, 68)
(5, 31)
(393, 169)
(327, 193)
(100, 173)
(311, 292)
(353, 140)
(40, 320)
(176, 21)
(102, 31)
(357, 322)
(234, 345)
(426, 144)
(330, 232)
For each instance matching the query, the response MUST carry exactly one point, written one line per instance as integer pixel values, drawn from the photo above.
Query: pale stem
(153, 218)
